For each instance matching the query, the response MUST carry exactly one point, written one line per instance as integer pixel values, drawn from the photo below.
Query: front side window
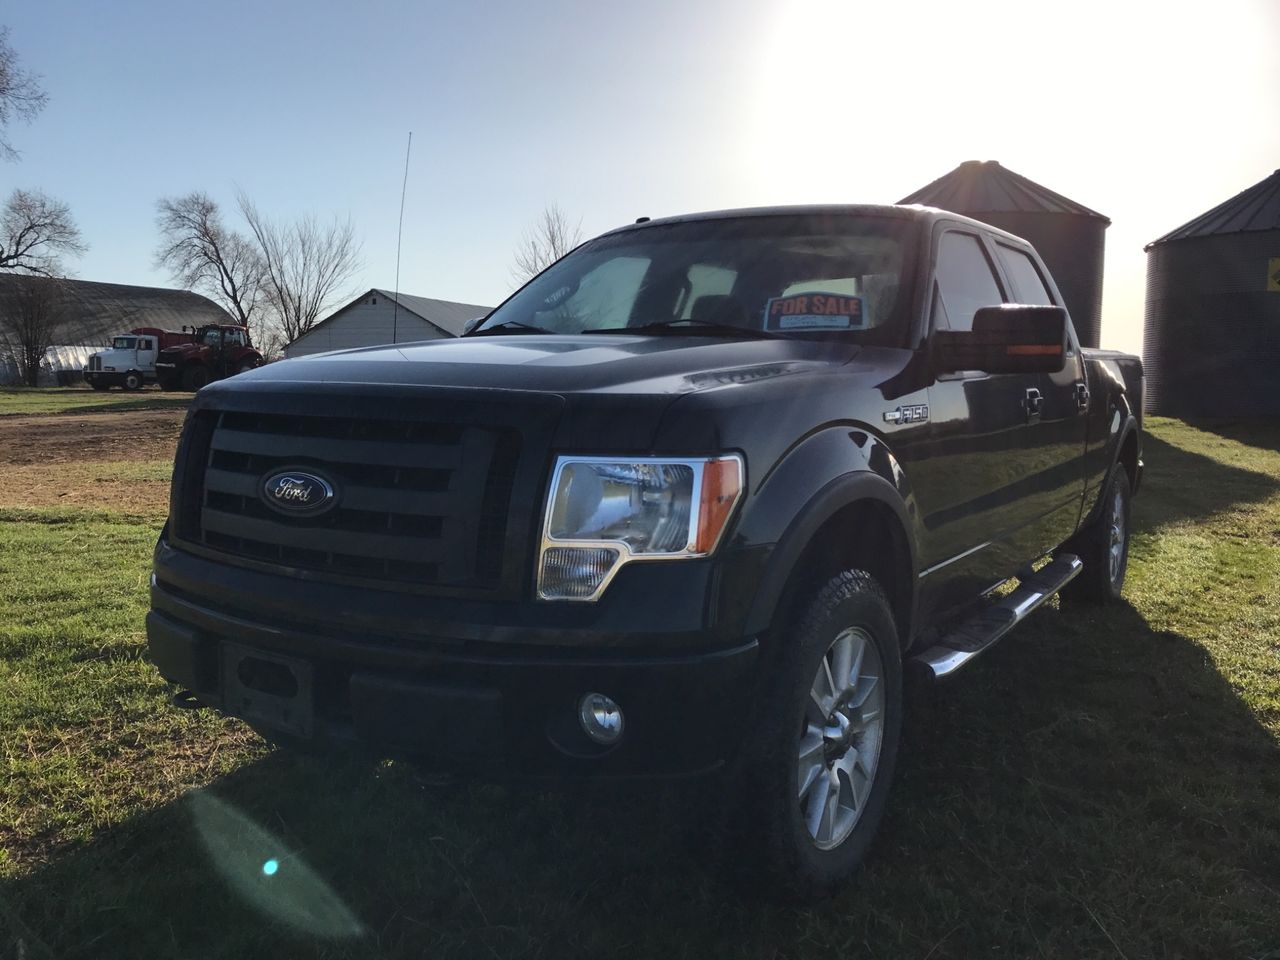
(234, 338)
(788, 275)
(211, 337)
(966, 282)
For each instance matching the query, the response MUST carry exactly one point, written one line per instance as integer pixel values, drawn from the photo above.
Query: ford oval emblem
(298, 493)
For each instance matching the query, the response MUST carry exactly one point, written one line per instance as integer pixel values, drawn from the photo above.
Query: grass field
(1104, 783)
(18, 401)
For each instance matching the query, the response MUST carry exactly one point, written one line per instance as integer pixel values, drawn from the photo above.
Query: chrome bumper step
(982, 632)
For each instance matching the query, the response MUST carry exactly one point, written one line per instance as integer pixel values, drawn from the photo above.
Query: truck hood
(115, 358)
(587, 363)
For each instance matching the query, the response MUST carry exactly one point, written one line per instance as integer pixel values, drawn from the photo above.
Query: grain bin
(1211, 334)
(1069, 236)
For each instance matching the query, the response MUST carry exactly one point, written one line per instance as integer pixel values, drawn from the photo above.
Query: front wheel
(194, 377)
(817, 783)
(133, 380)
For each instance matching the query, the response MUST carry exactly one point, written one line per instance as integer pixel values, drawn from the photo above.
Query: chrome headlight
(604, 512)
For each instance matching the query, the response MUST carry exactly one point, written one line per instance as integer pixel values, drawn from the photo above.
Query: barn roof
(448, 315)
(977, 187)
(1257, 208)
(93, 310)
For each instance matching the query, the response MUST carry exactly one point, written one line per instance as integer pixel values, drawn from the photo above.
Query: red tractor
(216, 351)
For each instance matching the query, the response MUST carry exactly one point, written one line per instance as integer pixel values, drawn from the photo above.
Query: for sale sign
(814, 311)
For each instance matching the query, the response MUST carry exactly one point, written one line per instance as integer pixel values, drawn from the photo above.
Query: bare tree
(21, 97)
(549, 239)
(308, 266)
(201, 254)
(29, 318)
(35, 232)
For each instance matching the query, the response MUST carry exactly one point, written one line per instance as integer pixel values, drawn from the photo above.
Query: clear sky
(1148, 112)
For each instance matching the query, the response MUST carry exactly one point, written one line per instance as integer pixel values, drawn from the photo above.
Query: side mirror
(1010, 338)
(471, 324)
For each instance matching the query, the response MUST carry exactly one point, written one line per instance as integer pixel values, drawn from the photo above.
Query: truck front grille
(418, 502)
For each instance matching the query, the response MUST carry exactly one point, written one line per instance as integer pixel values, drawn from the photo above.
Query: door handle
(1032, 403)
(1082, 396)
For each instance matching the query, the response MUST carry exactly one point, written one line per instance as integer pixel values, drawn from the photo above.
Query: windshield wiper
(708, 326)
(509, 326)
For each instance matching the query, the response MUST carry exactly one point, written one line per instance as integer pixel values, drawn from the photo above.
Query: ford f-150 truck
(694, 499)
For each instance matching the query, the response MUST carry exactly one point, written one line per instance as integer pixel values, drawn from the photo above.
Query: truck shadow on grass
(1180, 485)
(1092, 785)
(1262, 433)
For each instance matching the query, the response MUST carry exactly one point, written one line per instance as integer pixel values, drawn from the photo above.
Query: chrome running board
(982, 632)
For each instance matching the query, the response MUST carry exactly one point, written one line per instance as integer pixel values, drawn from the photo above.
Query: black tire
(169, 385)
(195, 377)
(1102, 581)
(791, 858)
(132, 380)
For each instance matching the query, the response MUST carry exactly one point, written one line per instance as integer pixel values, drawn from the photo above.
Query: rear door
(980, 448)
(1057, 458)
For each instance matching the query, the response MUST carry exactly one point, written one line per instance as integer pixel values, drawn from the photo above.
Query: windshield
(123, 343)
(788, 275)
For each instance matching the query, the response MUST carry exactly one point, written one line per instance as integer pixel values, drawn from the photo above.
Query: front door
(980, 448)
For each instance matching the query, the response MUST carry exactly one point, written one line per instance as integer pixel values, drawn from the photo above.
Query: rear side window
(966, 281)
(1028, 285)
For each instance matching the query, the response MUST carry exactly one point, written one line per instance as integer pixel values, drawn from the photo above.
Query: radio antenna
(395, 309)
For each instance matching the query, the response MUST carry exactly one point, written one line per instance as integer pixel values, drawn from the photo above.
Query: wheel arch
(1129, 454)
(858, 521)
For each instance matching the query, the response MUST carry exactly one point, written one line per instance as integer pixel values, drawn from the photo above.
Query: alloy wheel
(1116, 545)
(841, 737)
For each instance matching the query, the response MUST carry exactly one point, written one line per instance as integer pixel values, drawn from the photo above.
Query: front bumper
(109, 377)
(495, 708)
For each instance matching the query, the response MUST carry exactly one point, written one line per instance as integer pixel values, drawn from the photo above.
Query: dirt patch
(120, 462)
(45, 440)
(132, 488)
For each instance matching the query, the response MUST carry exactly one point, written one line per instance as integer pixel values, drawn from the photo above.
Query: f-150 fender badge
(915, 413)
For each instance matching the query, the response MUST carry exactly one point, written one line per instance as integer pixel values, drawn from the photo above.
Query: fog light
(600, 717)
(575, 573)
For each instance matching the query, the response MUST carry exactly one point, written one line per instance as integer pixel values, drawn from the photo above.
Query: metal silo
(1211, 337)
(1070, 237)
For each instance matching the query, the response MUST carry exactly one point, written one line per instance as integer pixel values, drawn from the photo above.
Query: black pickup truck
(692, 500)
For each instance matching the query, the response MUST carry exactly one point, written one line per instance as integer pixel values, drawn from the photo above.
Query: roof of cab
(904, 211)
(914, 211)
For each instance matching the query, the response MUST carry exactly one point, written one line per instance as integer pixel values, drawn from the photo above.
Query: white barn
(380, 316)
